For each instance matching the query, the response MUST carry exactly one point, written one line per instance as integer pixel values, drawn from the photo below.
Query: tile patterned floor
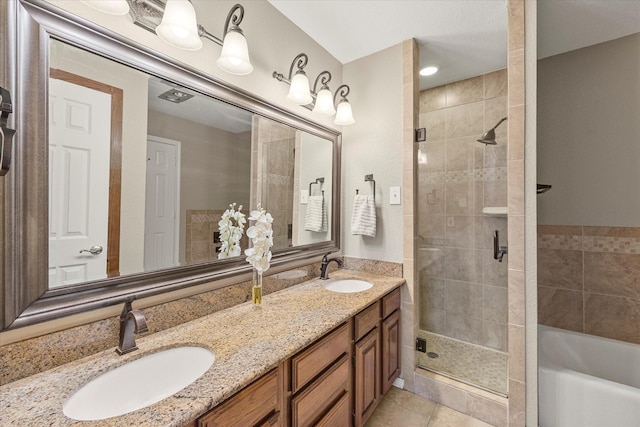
(467, 362)
(400, 408)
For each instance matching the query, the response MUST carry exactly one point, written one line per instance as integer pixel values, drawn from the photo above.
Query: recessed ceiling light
(429, 71)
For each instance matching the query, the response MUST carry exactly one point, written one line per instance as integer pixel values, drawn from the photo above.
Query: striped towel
(363, 219)
(316, 216)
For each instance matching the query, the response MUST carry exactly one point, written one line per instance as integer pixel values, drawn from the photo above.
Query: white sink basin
(139, 383)
(348, 286)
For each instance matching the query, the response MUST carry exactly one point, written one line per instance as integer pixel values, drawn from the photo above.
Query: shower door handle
(498, 251)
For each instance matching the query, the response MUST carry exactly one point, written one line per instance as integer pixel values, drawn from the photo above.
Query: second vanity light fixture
(320, 101)
(180, 28)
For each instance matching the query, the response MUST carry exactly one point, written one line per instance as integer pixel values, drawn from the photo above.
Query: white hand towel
(363, 219)
(316, 216)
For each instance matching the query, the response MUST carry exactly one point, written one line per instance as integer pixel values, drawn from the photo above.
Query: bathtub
(587, 381)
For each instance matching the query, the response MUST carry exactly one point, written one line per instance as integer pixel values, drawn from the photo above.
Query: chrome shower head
(489, 137)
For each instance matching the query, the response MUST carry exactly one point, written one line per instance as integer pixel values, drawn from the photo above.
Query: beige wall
(134, 147)
(589, 135)
(373, 145)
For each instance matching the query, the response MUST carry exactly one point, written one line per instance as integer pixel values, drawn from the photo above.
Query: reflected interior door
(79, 151)
(161, 204)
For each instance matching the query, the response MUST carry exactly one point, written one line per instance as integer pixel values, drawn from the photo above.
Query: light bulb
(299, 91)
(234, 57)
(324, 103)
(179, 26)
(344, 116)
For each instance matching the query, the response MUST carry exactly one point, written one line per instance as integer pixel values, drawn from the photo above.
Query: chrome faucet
(324, 266)
(131, 322)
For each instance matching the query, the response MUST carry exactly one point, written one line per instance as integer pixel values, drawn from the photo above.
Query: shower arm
(498, 124)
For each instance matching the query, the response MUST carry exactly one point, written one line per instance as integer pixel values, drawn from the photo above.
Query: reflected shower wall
(462, 289)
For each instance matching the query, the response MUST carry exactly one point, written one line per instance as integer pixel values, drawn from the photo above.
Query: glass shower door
(462, 198)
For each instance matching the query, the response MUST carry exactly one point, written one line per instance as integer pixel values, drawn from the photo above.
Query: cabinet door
(367, 376)
(390, 350)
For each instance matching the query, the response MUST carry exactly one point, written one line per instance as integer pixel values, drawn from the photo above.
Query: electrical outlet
(421, 345)
(394, 195)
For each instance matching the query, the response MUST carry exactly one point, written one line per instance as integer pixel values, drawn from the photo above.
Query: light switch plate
(394, 195)
(304, 197)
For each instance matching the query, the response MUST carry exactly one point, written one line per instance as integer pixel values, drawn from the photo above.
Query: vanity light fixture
(111, 7)
(321, 101)
(179, 28)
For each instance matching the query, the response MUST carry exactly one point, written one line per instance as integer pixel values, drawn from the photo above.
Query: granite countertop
(247, 341)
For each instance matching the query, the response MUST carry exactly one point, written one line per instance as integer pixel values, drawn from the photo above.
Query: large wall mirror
(141, 156)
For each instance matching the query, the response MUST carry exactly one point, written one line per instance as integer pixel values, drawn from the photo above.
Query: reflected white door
(161, 204)
(79, 147)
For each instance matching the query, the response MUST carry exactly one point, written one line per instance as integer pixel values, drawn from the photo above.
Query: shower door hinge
(421, 345)
(421, 134)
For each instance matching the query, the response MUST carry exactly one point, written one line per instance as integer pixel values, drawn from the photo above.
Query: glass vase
(256, 291)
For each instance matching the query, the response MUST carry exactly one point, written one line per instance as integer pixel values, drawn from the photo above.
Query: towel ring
(317, 181)
(369, 178)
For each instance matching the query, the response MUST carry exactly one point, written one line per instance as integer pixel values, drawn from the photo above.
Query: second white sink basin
(348, 286)
(138, 384)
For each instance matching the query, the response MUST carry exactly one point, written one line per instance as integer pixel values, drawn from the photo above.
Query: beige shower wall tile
(464, 120)
(435, 153)
(487, 410)
(515, 10)
(495, 109)
(495, 84)
(516, 78)
(564, 230)
(517, 394)
(612, 274)
(516, 294)
(495, 156)
(515, 125)
(516, 187)
(433, 99)
(612, 317)
(460, 154)
(459, 198)
(435, 124)
(629, 232)
(559, 268)
(516, 353)
(465, 91)
(560, 308)
(516, 242)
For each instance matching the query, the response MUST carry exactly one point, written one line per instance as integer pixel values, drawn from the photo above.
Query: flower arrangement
(259, 254)
(261, 235)
(231, 227)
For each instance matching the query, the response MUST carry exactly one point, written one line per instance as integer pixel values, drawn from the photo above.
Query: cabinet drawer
(366, 320)
(390, 303)
(339, 415)
(249, 407)
(313, 402)
(315, 359)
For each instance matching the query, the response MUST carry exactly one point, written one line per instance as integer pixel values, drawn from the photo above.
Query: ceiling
(465, 38)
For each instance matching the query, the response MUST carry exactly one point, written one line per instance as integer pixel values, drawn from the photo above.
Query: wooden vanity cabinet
(390, 334)
(320, 384)
(258, 404)
(367, 354)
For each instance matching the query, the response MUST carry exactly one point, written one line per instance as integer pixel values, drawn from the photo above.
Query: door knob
(94, 250)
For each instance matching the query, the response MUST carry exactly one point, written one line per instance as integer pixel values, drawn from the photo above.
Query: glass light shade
(299, 91)
(112, 7)
(234, 57)
(324, 103)
(179, 27)
(344, 116)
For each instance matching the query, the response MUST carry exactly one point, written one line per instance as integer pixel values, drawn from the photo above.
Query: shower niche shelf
(494, 211)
